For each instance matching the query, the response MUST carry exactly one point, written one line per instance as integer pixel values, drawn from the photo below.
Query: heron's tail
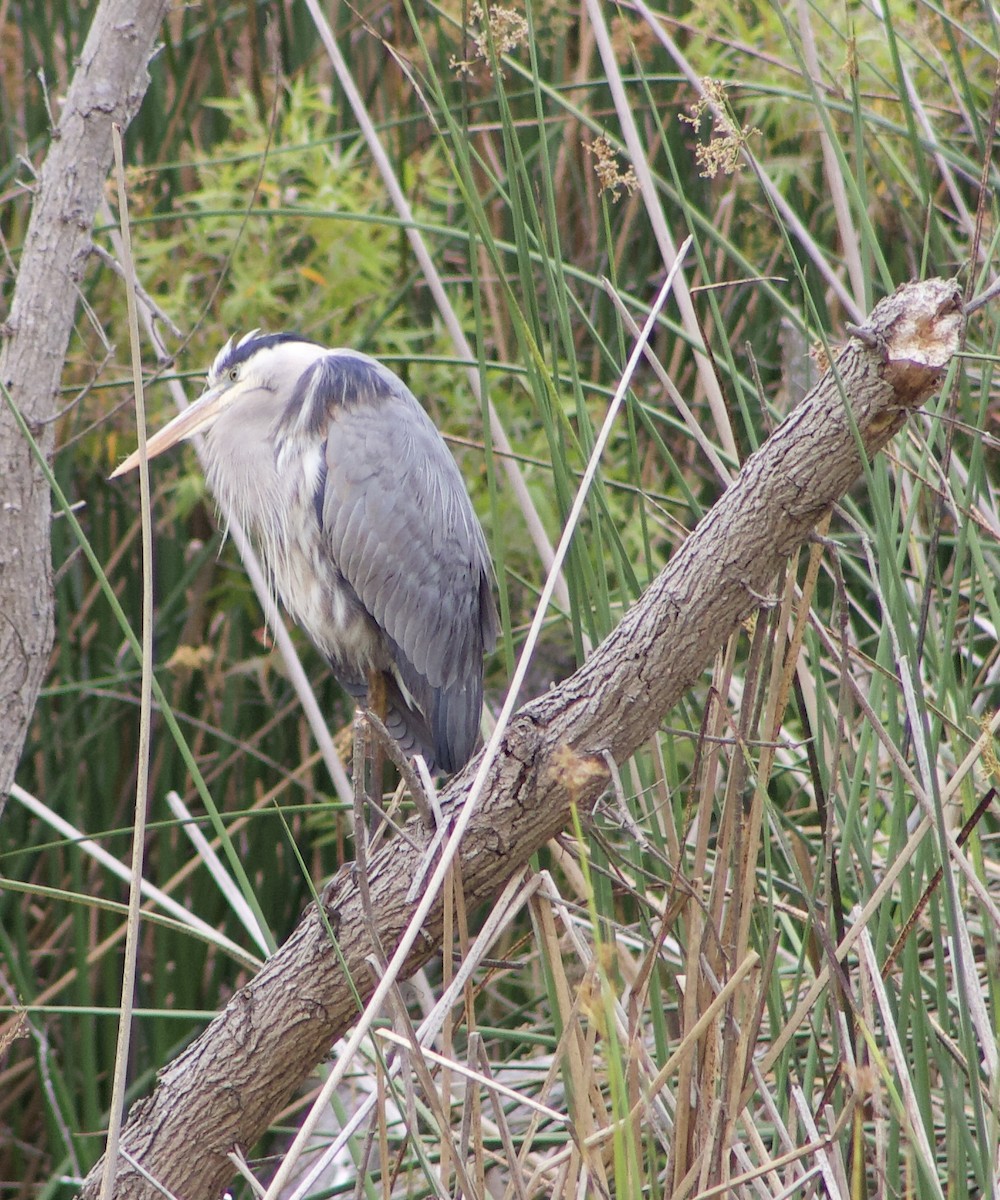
(454, 714)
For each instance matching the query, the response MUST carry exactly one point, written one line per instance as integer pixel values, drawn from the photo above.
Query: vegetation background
(551, 154)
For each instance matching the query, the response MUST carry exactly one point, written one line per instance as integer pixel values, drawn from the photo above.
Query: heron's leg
(359, 777)
(378, 694)
(378, 704)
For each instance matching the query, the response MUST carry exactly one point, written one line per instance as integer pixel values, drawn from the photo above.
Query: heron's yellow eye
(234, 374)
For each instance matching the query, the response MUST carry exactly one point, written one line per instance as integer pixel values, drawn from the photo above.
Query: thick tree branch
(108, 86)
(227, 1086)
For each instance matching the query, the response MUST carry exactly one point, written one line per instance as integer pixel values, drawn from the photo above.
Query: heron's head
(268, 363)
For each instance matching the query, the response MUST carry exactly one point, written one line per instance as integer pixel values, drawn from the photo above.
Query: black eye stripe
(247, 348)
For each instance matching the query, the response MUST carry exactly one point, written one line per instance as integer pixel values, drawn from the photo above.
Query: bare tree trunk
(224, 1089)
(108, 85)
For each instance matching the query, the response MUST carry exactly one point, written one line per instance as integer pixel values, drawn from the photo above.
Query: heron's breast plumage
(260, 487)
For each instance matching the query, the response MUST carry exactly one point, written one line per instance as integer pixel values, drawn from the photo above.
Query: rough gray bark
(226, 1087)
(108, 86)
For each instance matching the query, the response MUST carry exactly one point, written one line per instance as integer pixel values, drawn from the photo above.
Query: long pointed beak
(186, 424)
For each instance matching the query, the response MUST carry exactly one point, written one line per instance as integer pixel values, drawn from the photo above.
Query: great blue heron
(363, 523)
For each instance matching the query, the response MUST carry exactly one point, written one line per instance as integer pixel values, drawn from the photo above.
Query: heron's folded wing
(400, 523)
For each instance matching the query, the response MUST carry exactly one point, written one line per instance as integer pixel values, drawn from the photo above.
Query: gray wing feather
(403, 532)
